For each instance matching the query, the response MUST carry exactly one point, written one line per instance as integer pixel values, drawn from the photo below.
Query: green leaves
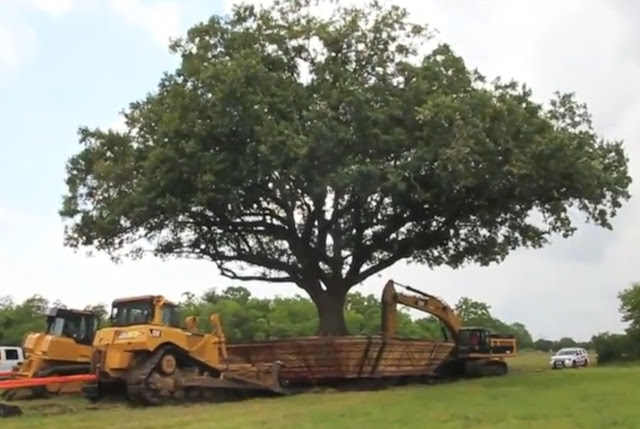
(320, 150)
(248, 318)
(622, 347)
(18, 319)
(630, 306)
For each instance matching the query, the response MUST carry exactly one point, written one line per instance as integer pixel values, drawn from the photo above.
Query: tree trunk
(330, 305)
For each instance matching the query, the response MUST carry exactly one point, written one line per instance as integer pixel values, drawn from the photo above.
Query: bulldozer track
(192, 381)
(138, 388)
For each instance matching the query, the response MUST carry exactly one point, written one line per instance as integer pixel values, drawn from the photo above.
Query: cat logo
(156, 333)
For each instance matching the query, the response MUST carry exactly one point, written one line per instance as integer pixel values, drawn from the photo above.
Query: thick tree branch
(229, 273)
(402, 249)
(314, 215)
(382, 265)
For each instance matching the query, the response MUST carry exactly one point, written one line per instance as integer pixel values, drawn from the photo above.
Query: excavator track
(494, 369)
(486, 368)
(190, 381)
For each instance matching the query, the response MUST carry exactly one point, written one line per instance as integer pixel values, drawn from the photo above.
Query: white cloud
(52, 7)
(17, 34)
(161, 19)
(118, 124)
(17, 41)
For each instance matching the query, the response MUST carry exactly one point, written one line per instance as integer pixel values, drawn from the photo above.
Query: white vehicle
(10, 357)
(570, 357)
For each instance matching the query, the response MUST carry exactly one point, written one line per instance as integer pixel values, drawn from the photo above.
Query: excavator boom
(425, 302)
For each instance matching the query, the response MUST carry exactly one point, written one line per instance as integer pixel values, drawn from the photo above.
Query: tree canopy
(320, 150)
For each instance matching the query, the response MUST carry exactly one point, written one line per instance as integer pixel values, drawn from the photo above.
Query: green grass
(528, 398)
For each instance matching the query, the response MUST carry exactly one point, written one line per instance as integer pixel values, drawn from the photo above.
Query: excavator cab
(474, 340)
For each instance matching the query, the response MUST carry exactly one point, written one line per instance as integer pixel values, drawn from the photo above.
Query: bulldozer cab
(80, 326)
(145, 310)
(474, 340)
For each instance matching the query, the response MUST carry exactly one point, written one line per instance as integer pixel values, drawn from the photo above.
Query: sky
(67, 63)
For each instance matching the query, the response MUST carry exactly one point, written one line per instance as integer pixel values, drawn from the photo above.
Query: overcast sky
(65, 63)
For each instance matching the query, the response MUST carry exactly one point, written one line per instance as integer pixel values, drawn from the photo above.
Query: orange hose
(43, 381)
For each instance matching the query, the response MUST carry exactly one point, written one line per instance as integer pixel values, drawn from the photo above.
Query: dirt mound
(7, 410)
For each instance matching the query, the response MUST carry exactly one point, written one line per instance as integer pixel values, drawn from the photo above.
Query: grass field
(530, 397)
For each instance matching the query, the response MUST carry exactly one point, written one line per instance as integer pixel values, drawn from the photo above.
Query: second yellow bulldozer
(148, 355)
(64, 348)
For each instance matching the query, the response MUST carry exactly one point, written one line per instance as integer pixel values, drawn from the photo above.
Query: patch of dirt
(7, 410)
(54, 409)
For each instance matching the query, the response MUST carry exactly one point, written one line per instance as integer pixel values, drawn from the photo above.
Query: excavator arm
(423, 302)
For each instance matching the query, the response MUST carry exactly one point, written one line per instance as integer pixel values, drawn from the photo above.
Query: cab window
(55, 325)
(132, 313)
(170, 316)
(70, 325)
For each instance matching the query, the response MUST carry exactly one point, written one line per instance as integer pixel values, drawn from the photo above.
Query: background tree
(544, 345)
(17, 320)
(476, 313)
(102, 311)
(288, 147)
(630, 306)
(249, 318)
(471, 311)
(612, 347)
(522, 334)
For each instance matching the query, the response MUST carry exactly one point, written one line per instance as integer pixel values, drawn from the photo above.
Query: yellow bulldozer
(148, 355)
(63, 349)
(478, 352)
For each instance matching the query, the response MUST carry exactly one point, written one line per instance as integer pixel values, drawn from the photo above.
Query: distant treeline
(249, 318)
(624, 347)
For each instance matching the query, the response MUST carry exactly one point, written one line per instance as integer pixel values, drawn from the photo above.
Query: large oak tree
(320, 150)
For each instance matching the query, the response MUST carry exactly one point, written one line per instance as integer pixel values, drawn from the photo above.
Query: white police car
(569, 357)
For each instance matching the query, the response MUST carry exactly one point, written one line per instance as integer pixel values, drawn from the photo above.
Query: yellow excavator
(146, 354)
(478, 351)
(64, 348)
